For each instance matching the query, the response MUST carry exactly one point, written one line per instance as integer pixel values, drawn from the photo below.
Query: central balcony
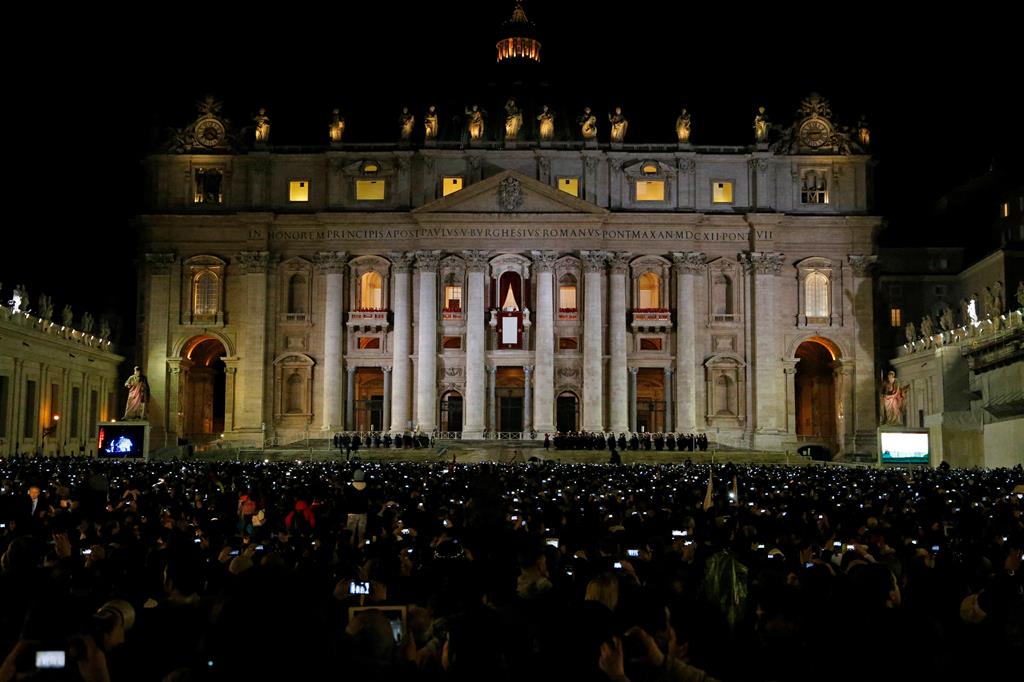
(651, 319)
(368, 319)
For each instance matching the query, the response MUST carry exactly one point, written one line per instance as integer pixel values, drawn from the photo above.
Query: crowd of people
(658, 441)
(187, 570)
(350, 441)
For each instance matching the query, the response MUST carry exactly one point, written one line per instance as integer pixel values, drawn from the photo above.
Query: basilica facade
(508, 288)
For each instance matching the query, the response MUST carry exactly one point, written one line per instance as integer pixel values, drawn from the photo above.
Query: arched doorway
(451, 412)
(203, 381)
(567, 412)
(815, 390)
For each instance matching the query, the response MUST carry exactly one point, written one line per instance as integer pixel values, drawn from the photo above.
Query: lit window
(721, 192)
(369, 190)
(895, 318)
(1006, 210)
(650, 169)
(453, 297)
(451, 342)
(649, 343)
(569, 186)
(450, 185)
(813, 189)
(204, 294)
(650, 190)
(567, 293)
(298, 190)
(816, 299)
(371, 291)
(568, 343)
(370, 168)
(650, 291)
(369, 342)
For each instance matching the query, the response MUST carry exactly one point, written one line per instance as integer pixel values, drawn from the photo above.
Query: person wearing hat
(357, 505)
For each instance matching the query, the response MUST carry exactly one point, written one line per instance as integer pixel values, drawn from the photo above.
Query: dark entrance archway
(203, 382)
(815, 391)
(567, 412)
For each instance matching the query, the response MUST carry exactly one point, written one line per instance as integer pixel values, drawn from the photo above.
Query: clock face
(814, 133)
(209, 133)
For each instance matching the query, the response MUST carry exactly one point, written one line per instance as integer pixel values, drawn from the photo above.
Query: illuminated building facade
(490, 287)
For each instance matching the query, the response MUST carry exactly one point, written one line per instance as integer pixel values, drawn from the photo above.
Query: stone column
(154, 353)
(632, 397)
(789, 370)
(769, 407)
(527, 398)
(350, 399)
(253, 343)
(386, 416)
(687, 265)
(230, 382)
(544, 344)
(492, 403)
(593, 341)
(474, 401)
(861, 415)
(332, 265)
(844, 387)
(617, 418)
(668, 400)
(401, 342)
(426, 340)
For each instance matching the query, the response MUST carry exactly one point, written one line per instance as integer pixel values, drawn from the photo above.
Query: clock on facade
(814, 133)
(209, 132)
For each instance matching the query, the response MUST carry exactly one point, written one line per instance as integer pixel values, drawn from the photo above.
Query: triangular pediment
(512, 193)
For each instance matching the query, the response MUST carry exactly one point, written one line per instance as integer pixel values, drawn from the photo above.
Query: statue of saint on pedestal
(406, 122)
(430, 123)
(336, 128)
(619, 125)
(927, 326)
(262, 126)
(683, 126)
(67, 317)
(588, 124)
(513, 119)
(947, 320)
(547, 123)
(760, 126)
(475, 123)
(893, 398)
(911, 332)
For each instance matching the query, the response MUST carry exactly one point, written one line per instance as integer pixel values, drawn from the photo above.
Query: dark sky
(937, 90)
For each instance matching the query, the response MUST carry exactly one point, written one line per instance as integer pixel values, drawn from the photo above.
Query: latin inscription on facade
(490, 234)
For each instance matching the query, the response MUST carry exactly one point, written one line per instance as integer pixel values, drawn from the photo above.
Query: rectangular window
(567, 297)
(76, 397)
(649, 343)
(4, 382)
(450, 185)
(721, 192)
(29, 427)
(209, 186)
(569, 186)
(451, 342)
(453, 297)
(1005, 212)
(895, 318)
(298, 190)
(814, 188)
(369, 190)
(54, 401)
(568, 343)
(650, 190)
(94, 414)
(368, 342)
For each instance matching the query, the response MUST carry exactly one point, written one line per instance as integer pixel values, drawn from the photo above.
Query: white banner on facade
(509, 329)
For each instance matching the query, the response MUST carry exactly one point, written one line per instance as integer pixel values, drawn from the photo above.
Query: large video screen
(904, 448)
(121, 440)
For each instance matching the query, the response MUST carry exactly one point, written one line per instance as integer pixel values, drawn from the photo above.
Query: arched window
(650, 291)
(371, 291)
(297, 294)
(295, 385)
(567, 293)
(816, 295)
(204, 294)
(721, 294)
(452, 294)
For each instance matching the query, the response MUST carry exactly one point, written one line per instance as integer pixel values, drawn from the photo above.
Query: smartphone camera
(359, 587)
(760, 546)
(632, 552)
(617, 565)
(50, 660)
(809, 564)
(234, 552)
(679, 533)
(405, 531)
(552, 542)
(197, 540)
(86, 552)
(259, 548)
(935, 548)
(514, 518)
(850, 548)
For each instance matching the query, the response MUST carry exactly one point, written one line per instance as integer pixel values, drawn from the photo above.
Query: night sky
(936, 91)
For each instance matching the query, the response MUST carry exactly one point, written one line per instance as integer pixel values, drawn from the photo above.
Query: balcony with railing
(368, 319)
(651, 319)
